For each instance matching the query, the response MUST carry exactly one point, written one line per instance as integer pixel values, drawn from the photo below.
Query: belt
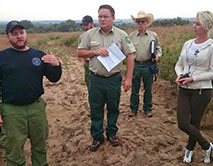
(143, 62)
(105, 76)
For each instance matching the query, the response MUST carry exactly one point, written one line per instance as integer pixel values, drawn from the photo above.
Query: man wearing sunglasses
(141, 40)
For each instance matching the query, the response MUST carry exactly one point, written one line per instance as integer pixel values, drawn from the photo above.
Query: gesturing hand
(51, 59)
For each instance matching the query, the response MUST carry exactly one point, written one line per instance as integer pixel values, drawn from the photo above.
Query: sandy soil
(144, 141)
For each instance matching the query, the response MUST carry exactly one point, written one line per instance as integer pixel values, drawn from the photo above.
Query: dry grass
(4, 42)
(163, 32)
(33, 38)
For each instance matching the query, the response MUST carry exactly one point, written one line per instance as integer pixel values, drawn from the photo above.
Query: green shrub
(171, 45)
(71, 41)
(168, 61)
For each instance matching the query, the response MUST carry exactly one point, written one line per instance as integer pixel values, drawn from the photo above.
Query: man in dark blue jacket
(23, 110)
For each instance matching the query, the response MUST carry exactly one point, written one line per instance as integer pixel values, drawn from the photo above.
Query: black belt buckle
(142, 62)
(97, 75)
(105, 76)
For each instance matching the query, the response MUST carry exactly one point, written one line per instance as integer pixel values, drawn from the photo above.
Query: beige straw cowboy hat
(141, 15)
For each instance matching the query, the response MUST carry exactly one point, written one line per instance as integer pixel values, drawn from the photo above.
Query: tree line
(72, 26)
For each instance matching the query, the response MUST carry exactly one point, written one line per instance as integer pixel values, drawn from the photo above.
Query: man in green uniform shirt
(143, 61)
(87, 23)
(105, 87)
(0, 120)
(22, 69)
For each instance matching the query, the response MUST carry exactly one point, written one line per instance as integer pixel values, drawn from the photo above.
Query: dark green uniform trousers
(141, 72)
(20, 123)
(103, 91)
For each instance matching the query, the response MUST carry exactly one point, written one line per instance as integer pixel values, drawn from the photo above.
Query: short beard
(19, 46)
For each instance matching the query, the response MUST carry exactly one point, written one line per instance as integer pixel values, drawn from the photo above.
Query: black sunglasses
(140, 21)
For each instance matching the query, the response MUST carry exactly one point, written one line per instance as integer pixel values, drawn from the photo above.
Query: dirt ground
(155, 141)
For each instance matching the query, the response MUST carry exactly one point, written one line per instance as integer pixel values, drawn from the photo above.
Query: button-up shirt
(95, 39)
(142, 45)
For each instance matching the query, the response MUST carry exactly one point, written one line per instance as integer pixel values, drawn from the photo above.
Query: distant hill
(44, 26)
(39, 21)
(3, 22)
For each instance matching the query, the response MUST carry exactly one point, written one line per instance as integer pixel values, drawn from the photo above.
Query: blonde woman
(195, 72)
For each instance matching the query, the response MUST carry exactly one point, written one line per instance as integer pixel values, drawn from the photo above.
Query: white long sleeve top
(201, 70)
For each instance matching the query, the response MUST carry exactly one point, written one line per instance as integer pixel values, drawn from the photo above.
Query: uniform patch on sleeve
(127, 39)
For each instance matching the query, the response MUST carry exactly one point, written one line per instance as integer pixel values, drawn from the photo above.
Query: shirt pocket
(94, 45)
(135, 44)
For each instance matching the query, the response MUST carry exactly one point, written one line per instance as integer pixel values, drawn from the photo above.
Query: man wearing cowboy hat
(141, 40)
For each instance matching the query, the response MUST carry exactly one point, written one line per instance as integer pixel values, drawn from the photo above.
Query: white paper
(114, 58)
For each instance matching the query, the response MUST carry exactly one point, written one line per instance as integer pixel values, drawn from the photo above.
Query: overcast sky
(76, 9)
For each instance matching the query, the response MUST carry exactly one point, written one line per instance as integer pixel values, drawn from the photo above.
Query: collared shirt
(79, 41)
(80, 37)
(142, 45)
(95, 39)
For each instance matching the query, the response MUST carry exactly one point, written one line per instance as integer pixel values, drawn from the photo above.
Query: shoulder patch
(127, 39)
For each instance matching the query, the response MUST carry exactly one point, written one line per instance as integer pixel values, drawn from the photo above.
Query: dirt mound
(144, 141)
